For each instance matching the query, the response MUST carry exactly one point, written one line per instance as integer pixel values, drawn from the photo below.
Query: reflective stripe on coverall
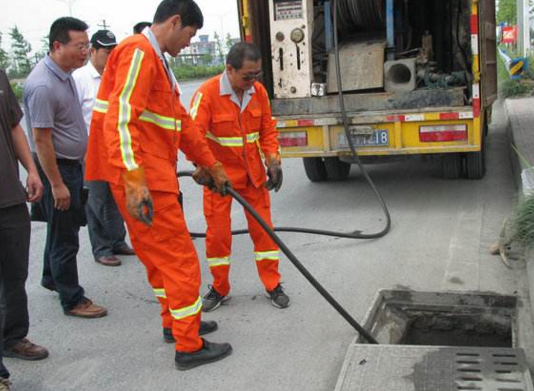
(138, 121)
(237, 138)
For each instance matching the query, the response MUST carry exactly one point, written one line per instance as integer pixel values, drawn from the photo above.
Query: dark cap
(103, 38)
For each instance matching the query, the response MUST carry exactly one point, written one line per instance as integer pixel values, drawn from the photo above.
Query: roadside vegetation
(523, 227)
(509, 88)
(189, 72)
(17, 89)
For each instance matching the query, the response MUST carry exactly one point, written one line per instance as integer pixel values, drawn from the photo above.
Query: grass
(509, 88)
(523, 227)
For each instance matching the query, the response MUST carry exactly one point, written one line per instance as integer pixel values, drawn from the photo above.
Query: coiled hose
(294, 260)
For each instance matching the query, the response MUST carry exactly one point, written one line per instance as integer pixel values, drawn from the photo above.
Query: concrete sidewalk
(520, 118)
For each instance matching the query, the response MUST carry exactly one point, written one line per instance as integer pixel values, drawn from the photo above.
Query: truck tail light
(293, 139)
(440, 133)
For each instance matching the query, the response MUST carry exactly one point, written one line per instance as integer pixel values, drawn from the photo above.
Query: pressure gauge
(297, 35)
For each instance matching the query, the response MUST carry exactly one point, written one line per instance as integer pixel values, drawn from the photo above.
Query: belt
(65, 162)
(68, 162)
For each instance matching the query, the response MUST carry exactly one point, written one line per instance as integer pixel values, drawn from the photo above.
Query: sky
(34, 17)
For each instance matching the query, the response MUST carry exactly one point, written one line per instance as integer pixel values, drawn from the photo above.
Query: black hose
(357, 234)
(354, 152)
(294, 260)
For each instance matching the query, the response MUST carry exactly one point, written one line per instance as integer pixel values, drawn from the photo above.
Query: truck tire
(451, 165)
(475, 163)
(315, 169)
(336, 169)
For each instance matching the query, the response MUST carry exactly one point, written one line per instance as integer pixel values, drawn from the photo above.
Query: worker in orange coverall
(137, 128)
(234, 113)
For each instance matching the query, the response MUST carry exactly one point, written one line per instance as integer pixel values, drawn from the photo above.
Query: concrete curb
(511, 121)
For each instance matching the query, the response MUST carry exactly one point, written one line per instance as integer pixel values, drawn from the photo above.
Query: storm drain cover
(433, 368)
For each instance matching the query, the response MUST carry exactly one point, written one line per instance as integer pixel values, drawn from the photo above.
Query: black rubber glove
(275, 175)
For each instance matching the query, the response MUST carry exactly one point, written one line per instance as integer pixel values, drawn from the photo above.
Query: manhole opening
(442, 319)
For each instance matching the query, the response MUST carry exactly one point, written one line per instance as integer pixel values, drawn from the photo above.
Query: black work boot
(209, 353)
(213, 300)
(278, 297)
(205, 328)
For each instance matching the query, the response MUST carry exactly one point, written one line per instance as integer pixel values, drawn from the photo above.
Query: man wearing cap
(104, 222)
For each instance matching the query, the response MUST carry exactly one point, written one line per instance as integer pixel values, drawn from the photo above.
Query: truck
(418, 80)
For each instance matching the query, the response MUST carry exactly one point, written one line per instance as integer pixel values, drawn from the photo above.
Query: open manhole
(442, 319)
(433, 341)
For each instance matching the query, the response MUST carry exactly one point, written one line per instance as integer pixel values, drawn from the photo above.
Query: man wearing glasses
(234, 113)
(58, 140)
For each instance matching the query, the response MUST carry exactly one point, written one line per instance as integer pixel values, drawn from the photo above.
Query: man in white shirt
(104, 222)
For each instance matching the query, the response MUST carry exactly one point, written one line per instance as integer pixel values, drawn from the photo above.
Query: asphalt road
(439, 241)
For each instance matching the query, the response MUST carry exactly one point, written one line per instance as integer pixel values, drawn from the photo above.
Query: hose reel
(356, 15)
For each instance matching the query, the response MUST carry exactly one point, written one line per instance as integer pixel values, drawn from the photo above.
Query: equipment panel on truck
(418, 78)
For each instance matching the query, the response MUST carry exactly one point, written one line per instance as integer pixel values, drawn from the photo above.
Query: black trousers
(15, 228)
(104, 222)
(60, 268)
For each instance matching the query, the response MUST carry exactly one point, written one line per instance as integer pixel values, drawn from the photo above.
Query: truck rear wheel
(451, 165)
(315, 169)
(475, 163)
(336, 169)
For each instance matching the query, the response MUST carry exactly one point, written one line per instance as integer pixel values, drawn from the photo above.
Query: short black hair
(188, 10)
(240, 52)
(139, 27)
(59, 31)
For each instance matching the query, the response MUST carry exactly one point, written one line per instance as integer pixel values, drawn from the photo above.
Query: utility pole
(523, 27)
(69, 3)
(103, 25)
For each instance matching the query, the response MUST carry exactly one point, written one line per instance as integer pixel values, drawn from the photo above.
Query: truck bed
(375, 101)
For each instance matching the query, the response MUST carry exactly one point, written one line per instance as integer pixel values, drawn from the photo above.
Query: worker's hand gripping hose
(293, 259)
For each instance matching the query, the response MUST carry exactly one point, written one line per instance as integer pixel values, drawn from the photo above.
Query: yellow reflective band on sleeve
(212, 262)
(194, 108)
(101, 106)
(226, 141)
(168, 123)
(267, 255)
(187, 311)
(253, 137)
(160, 293)
(125, 111)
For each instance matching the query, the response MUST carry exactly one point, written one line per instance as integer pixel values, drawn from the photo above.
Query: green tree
(4, 57)
(44, 48)
(229, 42)
(507, 11)
(21, 49)
(207, 58)
(219, 46)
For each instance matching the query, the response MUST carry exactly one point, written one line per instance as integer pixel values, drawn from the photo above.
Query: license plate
(378, 138)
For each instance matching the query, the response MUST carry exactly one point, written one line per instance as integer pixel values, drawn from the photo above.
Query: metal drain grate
(433, 368)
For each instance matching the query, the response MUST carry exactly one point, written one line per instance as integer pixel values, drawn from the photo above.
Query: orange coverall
(237, 138)
(138, 121)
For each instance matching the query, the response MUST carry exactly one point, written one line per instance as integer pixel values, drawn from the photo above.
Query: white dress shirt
(87, 81)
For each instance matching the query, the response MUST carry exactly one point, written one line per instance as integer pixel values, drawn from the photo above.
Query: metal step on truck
(418, 79)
